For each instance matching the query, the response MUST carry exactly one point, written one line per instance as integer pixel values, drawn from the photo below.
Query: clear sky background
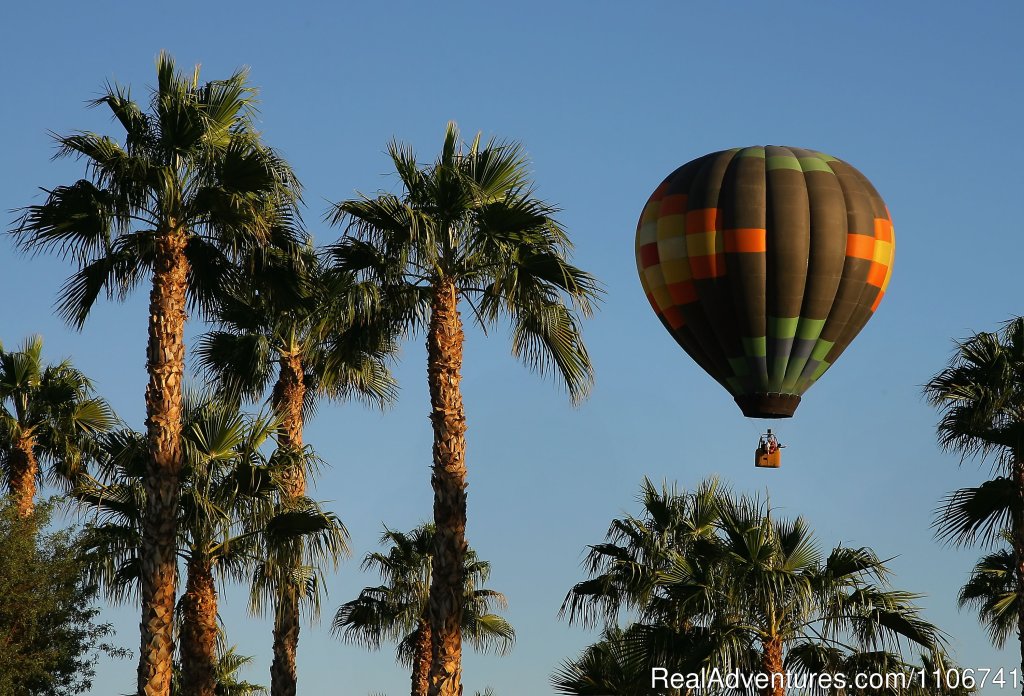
(608, 98)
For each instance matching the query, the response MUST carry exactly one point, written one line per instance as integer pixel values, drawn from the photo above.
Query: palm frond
(547, 338)
(969, 515)
(992, 592)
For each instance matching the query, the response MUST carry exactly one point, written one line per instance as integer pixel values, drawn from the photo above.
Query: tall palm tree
(397, 610)
(186, 195)
(980, 395)
(320, 336)
(468, 227)
(739, 589)
(48, 415)
(226, 510)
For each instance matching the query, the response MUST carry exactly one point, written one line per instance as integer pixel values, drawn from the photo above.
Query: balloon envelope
(764, 263)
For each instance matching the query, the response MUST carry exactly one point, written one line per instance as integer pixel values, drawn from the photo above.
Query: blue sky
(923, 98)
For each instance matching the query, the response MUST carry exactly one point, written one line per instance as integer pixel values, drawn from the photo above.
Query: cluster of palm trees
(192, 198)
(236, 522)
(718, 581)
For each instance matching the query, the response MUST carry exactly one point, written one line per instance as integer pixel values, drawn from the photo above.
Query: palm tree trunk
(288, 396)
(772, 666)
(199, 632)
(24, 470)
(448, 418)
(284, 670)
(421, 660)
(165, 362)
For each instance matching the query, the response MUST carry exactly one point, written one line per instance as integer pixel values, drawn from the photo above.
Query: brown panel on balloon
(744, 211)
(788, 251)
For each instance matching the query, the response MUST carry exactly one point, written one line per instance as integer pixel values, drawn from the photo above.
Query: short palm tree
(468, 228)
(981, 398)
(732, 586)
(183, 199)
(315, 338)
(49, 416)
(397, 610)
(792, 602)
(299, 542)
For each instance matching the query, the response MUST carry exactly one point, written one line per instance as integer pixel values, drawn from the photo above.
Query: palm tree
(981, 397)
(189, 192)
(794, 602)
(48, 415)
(322, 341)
(468, 227)
(226, 511)
(300, 540)
(735, 587)
(397, 610)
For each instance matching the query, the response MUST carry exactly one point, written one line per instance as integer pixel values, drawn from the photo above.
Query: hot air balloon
(764, 263)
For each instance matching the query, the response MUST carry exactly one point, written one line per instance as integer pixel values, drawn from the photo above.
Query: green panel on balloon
(814, 164)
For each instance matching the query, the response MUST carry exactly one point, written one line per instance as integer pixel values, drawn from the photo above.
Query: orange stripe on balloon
(883, 230)
(860, 246)
(876, 275)
(701, 220)
(746, 240)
